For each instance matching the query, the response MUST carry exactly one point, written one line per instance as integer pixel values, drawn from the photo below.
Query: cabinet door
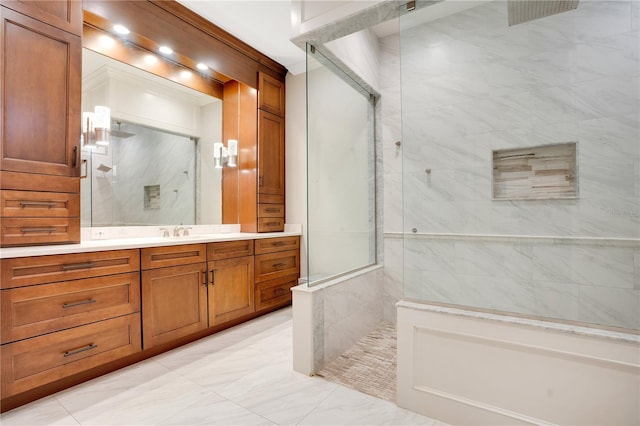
(231, 291)
(39, 97)
(270, 158)
(63, 14)
(174, 303)
(270, 94)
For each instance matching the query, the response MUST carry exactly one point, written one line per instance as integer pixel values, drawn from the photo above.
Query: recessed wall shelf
(152, 197)
(535, 173)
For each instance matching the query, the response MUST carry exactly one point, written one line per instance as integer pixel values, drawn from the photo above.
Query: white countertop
(90, 245)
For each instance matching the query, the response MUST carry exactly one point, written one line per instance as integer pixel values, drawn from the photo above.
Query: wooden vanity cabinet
(231, 280)
(277, 269)
(174, 292)
(40, 129)
(65, 314)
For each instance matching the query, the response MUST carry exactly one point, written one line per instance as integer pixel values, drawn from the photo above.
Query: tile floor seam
(321, 401)
(66, 409)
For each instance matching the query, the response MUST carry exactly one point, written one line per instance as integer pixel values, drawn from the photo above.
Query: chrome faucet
(166, 232)
(176, 231)
(186, 231)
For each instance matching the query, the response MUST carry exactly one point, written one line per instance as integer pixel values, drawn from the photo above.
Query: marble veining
(469, 84)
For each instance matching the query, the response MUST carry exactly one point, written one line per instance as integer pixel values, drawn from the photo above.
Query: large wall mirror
(158, 166)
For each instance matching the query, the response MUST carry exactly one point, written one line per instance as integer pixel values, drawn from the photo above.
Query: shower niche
(535, 173)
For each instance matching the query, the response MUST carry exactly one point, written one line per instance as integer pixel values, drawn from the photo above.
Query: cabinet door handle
(38, 204)
(204, 280)
(212, 275)
(82, 302)
(77, 351)
(75, 266)
(28, 230)
(76, 155)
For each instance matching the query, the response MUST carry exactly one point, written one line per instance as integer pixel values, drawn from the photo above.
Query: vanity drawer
(160, 257)
(270, 224)
(40, 309)
(229, 249)
(271, 245)
(38, 231)
(270, 210)
(24, 271)
(275, 265)
(34, 362)
(39, 204)
(275, 292)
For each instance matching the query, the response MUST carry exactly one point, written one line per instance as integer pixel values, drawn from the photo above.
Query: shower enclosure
(341, 171)
(496, 118)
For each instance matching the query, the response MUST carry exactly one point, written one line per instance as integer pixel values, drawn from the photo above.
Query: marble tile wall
(470, 84)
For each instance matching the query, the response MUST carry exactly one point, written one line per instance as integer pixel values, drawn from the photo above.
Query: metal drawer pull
(77, 351)
(279, 265)
(38, 203)
(272, 210)
(82, 302)
(75, 266)
(273, 223)
(27, 230)
(279, 291)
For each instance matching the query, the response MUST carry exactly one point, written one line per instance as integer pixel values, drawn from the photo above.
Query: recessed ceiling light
(166, 50)
(202, 66)
(150, 59)
(185, 74)
(121, 29)
(106, 41)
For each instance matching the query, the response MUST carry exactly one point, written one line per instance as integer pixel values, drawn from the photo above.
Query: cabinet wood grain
(174, 303)
(45, 308)
(30, 363)
(231, 289)
(25, 271)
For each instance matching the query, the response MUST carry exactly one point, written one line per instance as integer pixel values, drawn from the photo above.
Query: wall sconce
(225, 155)
(96, 127)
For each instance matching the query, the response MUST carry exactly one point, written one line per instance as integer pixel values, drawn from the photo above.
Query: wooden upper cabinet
(270, 158)
(40, 96)
(63, 14)
(270, 94)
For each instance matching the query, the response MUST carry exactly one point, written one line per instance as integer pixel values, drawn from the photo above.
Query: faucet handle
(176, 231)
(186, 231)
(166, 232)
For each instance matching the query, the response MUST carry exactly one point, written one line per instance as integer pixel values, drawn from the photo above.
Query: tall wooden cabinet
(270, 154)
(40, 93)
(254, 193)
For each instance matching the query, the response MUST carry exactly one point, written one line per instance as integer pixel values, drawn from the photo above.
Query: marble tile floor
(241, 376)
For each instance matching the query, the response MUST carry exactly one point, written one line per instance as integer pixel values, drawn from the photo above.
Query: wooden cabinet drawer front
(24, 271)
(34, 362)
(271, 245)
(275, 292)
(270, 198)
(34, 310)
(39, 204)
(270, 224)
(271, 210)
(229, 249)
(38, 231)
(275, 265)
(159, 257)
